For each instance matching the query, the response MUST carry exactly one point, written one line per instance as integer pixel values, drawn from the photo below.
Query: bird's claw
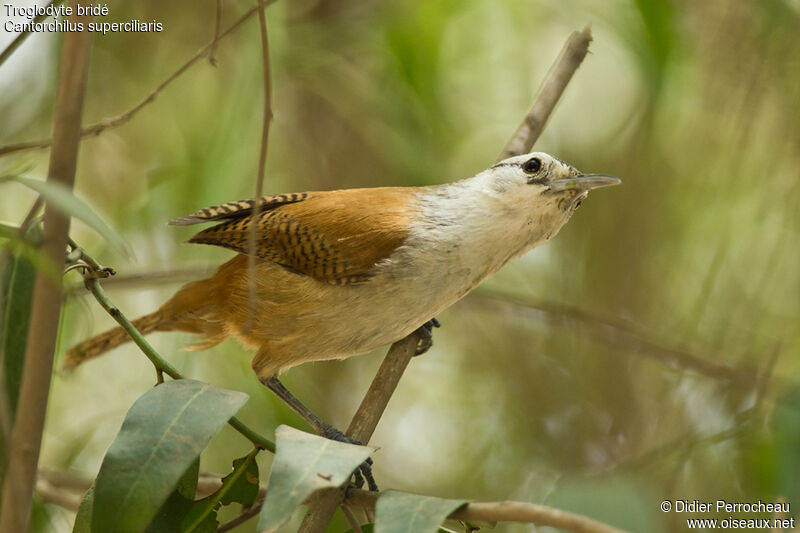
(364, 470)
(426, 336)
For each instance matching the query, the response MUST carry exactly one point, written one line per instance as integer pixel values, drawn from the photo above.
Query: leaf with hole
(304, 464)
(163, 433)
(240, 486)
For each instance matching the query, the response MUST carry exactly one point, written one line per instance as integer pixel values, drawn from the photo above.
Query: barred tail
(112, 338)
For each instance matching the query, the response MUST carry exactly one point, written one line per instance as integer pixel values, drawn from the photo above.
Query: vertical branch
(568, 61)
(26, 435)
(383, 386)
(217, 28)
(262, 163)
(324, 503)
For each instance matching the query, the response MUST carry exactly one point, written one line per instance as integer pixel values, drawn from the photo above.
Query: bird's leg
(322, 428)
(426, 336)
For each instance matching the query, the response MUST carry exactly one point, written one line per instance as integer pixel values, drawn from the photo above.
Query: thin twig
(31, 217)
(262, 164)
(351, 519)
(26, 435)
(324, 503)
(624, 335)
(113, 122)
(246, 515)
(64, 498)
(217, 27)
(561, 72)
(149, 279)
(64, 480)
(506, 511)
(93, 284)
(744, 422)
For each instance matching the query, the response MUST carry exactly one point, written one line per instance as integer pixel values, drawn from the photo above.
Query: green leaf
(242, 483)
(786, 441)
(27, 248)
(187, 484)
(168, 518)
(17, 297)
(241, 486)
(83, 520)
(65, 200)
(402, 512)
(163, 433)
(365, 528)
(303, 464)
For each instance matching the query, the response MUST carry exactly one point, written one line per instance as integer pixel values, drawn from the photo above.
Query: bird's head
(540, 176)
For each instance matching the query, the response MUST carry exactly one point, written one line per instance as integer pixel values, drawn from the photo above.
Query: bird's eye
(532, 165)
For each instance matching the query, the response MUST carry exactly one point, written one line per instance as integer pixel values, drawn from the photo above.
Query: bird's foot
(364, 470)
(426, 336)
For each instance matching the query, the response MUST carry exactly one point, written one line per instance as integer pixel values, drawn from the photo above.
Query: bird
(339, 273)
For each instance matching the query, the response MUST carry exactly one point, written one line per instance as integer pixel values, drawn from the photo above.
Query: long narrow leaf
(163, 433)
(17, 295)
(83, 520)
(67, 202)
(168, 518)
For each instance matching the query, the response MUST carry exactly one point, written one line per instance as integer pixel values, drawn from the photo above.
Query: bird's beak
(584, 182)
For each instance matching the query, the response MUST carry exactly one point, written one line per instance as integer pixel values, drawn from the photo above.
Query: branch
(262, 163)
(149, 278)
(113, 122)
(625, 334)
(246, 515)
(561, 72)
(65, 498)
(383, 386)
(217, 27)
(622, 334)
(92, 275)
(506, 511)
(324, 503)
(26, 436)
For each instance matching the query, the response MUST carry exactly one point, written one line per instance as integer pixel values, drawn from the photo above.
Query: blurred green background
(649, 352)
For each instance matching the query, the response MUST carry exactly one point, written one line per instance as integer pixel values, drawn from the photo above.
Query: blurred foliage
(695, 105)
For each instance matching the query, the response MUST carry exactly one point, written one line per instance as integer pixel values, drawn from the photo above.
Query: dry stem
(262, 163)
(561, 72)
(26, 435)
